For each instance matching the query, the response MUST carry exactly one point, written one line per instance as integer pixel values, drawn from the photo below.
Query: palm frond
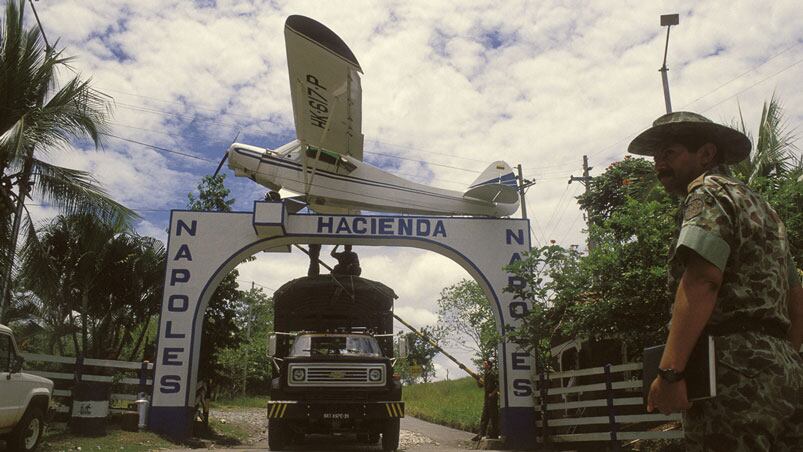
(74, 191)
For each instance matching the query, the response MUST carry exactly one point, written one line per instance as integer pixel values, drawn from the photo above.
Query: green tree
(221, 329)
(774, 169)
(105, 281)
(247, 368)
(465, 315)
(420, 354)
(37, 116)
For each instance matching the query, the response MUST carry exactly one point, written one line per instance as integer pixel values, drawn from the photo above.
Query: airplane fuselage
(344, 185)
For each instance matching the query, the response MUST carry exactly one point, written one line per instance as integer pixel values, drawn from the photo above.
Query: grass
(454, 403)
(240, 402)
(59, 438)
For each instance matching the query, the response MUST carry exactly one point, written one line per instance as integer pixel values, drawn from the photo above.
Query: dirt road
(416, 435)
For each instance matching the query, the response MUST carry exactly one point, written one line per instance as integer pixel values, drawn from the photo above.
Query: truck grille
(335, 375)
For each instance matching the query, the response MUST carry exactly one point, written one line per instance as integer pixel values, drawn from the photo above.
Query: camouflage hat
(734, 145)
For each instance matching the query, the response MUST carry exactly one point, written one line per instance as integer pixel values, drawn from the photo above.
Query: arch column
(204, 246)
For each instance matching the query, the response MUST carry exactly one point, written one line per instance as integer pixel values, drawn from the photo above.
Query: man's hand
(668, 398)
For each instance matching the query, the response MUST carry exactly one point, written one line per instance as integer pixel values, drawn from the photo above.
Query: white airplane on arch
(325, 163)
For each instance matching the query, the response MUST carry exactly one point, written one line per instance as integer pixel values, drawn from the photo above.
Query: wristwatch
(671, 375)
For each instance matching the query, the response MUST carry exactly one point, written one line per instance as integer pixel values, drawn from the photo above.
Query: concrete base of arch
(203, 247)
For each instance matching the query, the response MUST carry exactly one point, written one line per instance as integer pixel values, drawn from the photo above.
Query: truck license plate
(336, 415)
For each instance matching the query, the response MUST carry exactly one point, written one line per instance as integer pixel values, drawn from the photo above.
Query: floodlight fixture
(670, 19)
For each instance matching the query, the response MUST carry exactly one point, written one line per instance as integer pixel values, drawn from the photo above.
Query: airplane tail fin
(496, 184)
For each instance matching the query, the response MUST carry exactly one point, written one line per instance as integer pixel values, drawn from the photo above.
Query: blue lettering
(518, 309)
(386, 226)
(179, 275)
(422, 227)
(169, 331)
(439, 228)
(520, 361)
(522, 387)
(173, 307)
(514, 258)
(519, 238)
(406, 226)
(328, 225)
(170, 356)
(170, 384)
(343, 226)
(357, 228)
(183, 253)
(516, 283)
(191, 230)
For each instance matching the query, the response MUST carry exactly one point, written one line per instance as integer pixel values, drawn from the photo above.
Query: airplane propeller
(225, 155)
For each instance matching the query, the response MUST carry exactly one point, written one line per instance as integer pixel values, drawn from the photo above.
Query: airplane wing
(325, 87)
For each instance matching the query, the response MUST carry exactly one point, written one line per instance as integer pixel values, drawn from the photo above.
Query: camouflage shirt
(733, 228)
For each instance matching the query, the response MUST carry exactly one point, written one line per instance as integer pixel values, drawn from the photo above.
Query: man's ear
(708, 155)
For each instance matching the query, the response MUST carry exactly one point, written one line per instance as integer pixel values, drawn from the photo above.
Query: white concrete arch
(203, 247)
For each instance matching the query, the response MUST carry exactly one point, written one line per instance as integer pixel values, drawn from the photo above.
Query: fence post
(78, 371)
(611, 413)
(542, 382)
(143, 376)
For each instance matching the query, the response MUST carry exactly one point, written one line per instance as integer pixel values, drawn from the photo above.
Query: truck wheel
(390, 435)
(278, 435)
(28, 433)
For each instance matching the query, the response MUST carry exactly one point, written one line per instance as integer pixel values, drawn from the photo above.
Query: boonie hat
(733, 145)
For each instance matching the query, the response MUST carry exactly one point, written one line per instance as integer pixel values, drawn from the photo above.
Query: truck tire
(278, 435)
(27, 435)
(390, 435)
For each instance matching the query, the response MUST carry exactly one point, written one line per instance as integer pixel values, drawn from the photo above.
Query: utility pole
(667, 20)
(585, 179)
(524, 184)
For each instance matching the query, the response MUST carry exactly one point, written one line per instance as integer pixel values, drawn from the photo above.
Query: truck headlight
(298, 374)
(375, 375)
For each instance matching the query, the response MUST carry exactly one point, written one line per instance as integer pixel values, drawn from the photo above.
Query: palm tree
(37, 116)
(104, 283)
(774, 156)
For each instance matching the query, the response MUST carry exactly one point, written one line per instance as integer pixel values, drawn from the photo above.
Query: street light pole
(667, 20)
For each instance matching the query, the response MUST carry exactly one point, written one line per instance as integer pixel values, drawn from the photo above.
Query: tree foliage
(221, 328)
(418, 367)
(467, 320)
(92, 283)
(37, 116)
(246, 367)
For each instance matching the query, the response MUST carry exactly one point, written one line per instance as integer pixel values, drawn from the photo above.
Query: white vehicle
(24, 398)
(325, 163)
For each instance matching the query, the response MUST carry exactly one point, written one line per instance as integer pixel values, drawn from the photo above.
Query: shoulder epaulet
(696, 183)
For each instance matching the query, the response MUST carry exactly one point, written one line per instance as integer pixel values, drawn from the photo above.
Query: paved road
(416, 436)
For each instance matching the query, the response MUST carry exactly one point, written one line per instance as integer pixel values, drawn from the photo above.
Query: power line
(756, 83)
(159, 148)
(753, 69)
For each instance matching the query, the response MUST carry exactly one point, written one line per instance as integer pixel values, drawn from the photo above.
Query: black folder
(701, 369)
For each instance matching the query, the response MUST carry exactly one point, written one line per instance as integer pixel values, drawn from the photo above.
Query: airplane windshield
(309, 345)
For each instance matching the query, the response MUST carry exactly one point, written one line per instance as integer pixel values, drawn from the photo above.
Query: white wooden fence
(139, 378)
(593, 410)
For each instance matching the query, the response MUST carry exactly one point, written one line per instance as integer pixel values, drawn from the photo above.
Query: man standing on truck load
(732, 275)
(348, 263)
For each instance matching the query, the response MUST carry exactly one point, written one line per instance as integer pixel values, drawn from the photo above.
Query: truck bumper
(344, 411)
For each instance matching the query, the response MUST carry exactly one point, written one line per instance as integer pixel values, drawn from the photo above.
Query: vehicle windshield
(311, 345)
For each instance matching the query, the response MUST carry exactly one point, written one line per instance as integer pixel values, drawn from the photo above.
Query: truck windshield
(309, 345)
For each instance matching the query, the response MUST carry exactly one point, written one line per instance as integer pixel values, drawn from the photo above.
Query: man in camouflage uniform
(732, 275)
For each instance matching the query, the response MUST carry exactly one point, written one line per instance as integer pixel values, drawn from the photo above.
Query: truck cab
(333, 370)
(24, 398)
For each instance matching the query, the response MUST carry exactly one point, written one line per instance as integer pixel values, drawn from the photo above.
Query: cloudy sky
(448, 87)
